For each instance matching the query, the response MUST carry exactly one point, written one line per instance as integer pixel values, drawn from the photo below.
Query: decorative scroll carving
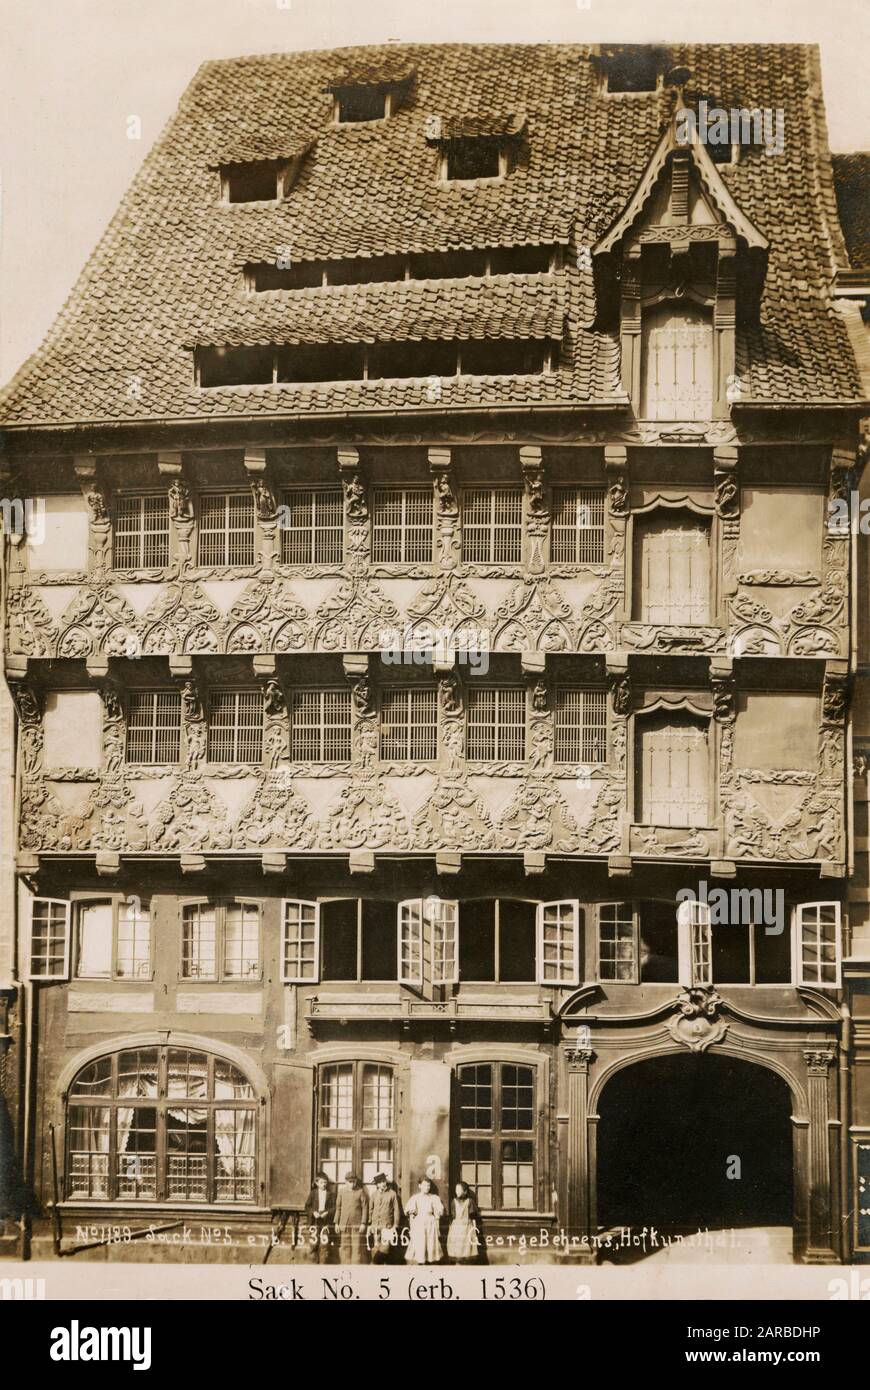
(353, 618)
(537, 818)
(275, 816)
(366, 816)
(534, 617)
(181, 619)
(645, 638)
(31, 631)
(600, 833)
(453, 817)
(190, 817)
(810, 826)
(98, 619)
(445, 612)
(697, 1023)
(266, 618)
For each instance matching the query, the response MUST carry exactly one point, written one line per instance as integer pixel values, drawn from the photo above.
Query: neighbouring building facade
(431, 643)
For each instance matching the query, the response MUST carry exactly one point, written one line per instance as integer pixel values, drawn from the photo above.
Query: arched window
(162, 1124)
(677, 377)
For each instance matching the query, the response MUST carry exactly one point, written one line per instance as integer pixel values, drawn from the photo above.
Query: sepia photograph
(435, 716)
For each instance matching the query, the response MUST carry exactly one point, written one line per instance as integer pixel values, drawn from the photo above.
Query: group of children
(372, 1227)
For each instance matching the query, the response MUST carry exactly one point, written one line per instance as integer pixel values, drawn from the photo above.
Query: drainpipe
(845, 1238)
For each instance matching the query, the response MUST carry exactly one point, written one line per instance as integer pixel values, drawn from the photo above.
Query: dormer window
(258, 180)
(356, 105)
(467, 160)
(632, 67)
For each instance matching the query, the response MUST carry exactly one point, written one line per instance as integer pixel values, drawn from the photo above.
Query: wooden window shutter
(673, 768)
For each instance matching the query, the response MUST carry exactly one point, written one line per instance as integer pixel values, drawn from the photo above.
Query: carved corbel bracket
(99, 515)
(726, 482)
(446, 507)
(842, 476)
(27, 699)
(265, 505)
(275, 730)
(619, 682)
(835, 692)
(819, 1060)
(722, 684)
(537, 510)
(616, 465)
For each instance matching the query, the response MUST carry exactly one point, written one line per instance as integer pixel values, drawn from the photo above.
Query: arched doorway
(675, 1131)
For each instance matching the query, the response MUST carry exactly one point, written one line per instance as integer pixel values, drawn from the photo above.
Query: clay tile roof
(852, 187)
(168, 271)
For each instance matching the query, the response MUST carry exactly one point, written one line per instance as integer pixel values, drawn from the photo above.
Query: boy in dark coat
(384, 1219)
(319, 1218)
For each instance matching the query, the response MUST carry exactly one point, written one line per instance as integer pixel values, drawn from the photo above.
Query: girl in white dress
(424, 1211)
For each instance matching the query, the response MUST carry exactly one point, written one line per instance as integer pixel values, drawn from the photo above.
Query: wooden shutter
(694, 944)
(673, 768)
(674, 571)
(411, 943)
(677, 364)
(291, 1156)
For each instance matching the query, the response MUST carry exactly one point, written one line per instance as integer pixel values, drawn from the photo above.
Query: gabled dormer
(362, 94)
(676, 270)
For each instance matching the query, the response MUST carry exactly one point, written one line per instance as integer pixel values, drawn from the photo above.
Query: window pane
(95, 941)
(378, 1097)
(226, 529)
(402, 525)
(230, 1083)
(93, 1080)
(199, 944)
(475, 1096)
(336, 1096)
(300, 941)
(235, 1168)
(475, 1158)
(411, 941)
(496, 729)
(518, 1175)
(558, 948)
(133, 959)
(313, 528)
(578, 526)
(137, 1152)
(187, 1074)
(153, 726)
(377, 1157)
(336, 1158)
(48, 938)
(242, 942)
(819, 925)
(517, 1097)
(492, 531)
(88, 1150)
(187, 1155)
(580, 726)
(141, 532)
(409, 725)
(617, 957)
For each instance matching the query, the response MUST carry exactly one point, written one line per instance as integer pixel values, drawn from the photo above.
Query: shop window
(162, 1124)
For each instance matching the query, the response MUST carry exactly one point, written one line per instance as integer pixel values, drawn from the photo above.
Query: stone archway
(695, 1140)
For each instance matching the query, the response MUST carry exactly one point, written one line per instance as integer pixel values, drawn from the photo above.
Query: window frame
(425, 926)
(288, 978)
(121, 498)
(378, 530)
(797, 956)
(236, 728)
(407, 729)
(499, 729)
(116, 904)
(359, 978)
(219, 907)
(496, 1135)
(288, 495)
(563, 689)
(493, 527)
(65, 972)
(631, 905)
(573, 978)
(480, 181)
(153, 728)
(161, 1104)
(694, 944)
(590, 496)
(368, 121)
(226, 532)
(357, 1135)
(296, 693)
